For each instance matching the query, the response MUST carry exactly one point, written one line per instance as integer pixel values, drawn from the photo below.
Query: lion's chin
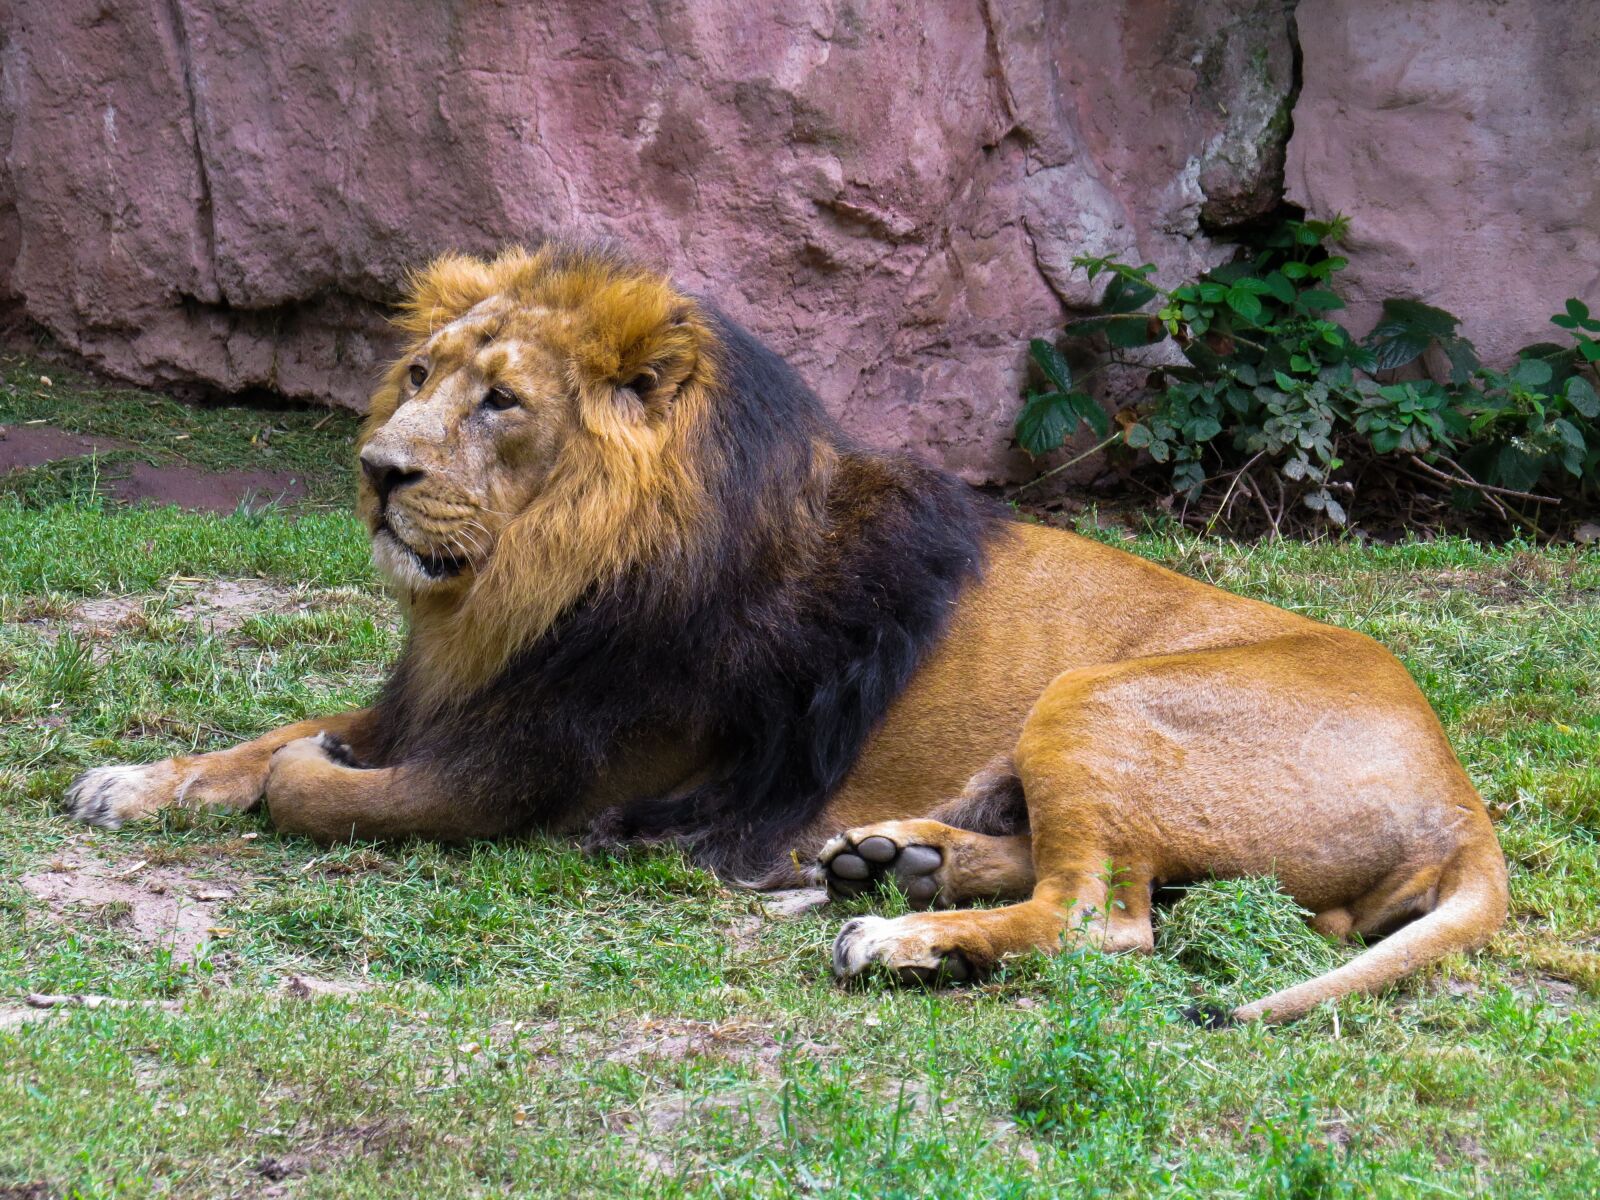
(407, 570)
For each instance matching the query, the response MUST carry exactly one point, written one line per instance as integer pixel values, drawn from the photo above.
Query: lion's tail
(1471, 906)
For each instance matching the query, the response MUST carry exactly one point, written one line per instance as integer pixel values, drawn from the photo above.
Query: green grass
(536, 1022)
(314, 445)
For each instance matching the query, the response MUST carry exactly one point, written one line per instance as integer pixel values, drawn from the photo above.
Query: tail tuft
(1209, 1016)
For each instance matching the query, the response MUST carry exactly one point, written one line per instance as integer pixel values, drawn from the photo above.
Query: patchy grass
(316, 445)
(525, 1020)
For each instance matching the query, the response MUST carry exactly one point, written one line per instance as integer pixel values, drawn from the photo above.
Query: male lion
(653, 591)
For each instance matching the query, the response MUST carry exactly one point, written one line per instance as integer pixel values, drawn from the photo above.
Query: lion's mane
(742, 574)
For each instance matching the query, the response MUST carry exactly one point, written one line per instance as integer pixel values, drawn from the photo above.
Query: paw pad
(853, 869)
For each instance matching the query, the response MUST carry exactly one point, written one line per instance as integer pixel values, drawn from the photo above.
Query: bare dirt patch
(310, 987)
(159, 906)
(783, 905)
(220, 604)
(204, 491)
(23, 446)
(1525, 577)
(326, 1149)
(674, 1040)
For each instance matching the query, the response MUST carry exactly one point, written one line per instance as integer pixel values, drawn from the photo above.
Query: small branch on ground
(87, 1000)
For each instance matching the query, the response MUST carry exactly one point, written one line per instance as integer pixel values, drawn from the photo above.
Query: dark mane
(780, 641)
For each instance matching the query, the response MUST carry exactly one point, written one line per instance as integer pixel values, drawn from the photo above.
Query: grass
(531, 1021)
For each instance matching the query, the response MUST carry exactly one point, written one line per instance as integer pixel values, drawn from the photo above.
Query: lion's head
(617, 521)
(536, 435)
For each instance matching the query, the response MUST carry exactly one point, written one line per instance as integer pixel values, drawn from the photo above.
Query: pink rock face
(1462, 139)
(227, 192)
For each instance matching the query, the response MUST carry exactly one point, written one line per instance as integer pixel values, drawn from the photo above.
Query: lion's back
(1049, 601)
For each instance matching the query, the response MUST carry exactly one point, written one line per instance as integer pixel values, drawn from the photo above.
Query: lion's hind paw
(860, 860)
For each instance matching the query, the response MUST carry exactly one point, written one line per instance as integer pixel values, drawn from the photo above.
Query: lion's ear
(640, 358)
(447, 288)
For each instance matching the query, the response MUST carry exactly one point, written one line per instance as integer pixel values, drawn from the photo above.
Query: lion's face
(531, 437)
(479, 411)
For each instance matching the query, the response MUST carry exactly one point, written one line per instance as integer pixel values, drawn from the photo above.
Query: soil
(23, 446)
(161, 906)
(205, 491)
(221, 605)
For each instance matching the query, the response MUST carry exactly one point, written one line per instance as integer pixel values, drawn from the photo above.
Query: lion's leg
(932, 863)
(1313, 759)
(313, 789)
(226, 779)
(956, 946)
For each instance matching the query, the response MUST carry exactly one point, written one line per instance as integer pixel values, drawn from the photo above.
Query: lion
(652, 592)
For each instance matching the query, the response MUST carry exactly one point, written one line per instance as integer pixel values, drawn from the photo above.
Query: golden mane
(623, 491)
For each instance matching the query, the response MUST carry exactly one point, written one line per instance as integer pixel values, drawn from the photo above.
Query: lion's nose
(386, 473)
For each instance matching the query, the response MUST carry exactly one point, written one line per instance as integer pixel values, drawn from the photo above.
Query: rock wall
(226, 193)
(1462, 138)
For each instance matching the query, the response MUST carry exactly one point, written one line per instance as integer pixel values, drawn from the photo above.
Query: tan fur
(618, 489)
(1165, 731)
(1160, 727)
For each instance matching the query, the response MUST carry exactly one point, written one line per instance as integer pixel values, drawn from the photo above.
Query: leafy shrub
(1273, 390)
(1246, 935)
(1084, 1065)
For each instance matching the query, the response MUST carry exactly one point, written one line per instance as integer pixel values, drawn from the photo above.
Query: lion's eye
(419, 374)
(499, 399)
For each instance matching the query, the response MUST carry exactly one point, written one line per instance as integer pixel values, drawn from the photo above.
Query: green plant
(1274, 401)
(1298, 1163)
(1086, 1065)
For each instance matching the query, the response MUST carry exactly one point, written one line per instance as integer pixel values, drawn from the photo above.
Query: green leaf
(1044, 423)
(1202, 429)
(1568, 433)
(1423, 318)
(1245, 303)
(1189, 478)
(1386, 441)
(1137, 436)
(1531, 372)
(1055, 367)
(1090, 413)
(1463, 356)
(1399, 349)
(1124, 295)
(1319, 300)
(1577, 309)
(1581, 395)
(1515, 469)
(1256, 287)
(1138, 329)
(1295, 270)
(1279, 287)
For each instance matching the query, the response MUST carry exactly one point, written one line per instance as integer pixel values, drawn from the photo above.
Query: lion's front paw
(319, 748)
(908, 949)
(108, 796)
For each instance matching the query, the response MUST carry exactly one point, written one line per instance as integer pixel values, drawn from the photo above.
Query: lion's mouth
(438, 564)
